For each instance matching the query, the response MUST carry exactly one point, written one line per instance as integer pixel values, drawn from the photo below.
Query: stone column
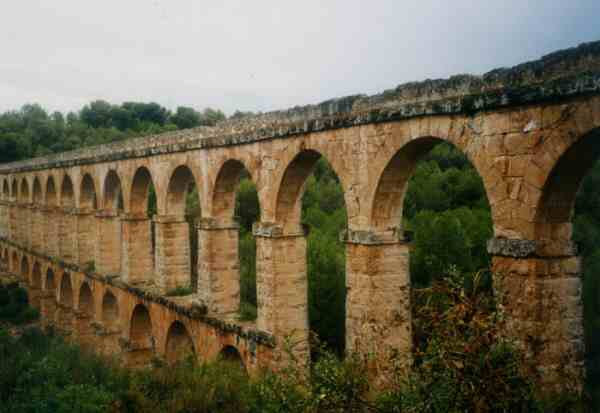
(47, 307)
(378, 309)
(108, 245)
(67, 235)
(51, 231)
(64, 319)
(28, 212)
(85, 223)
(36, 229)
(172, 255)
(282, 286)
(109, 339)
(218, 266)
(540, 288)
(3, 219)
(136, 252)
(84, 331)
(35, 294)
(13, 217)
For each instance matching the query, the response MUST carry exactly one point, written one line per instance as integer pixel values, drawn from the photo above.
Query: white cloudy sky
(265, 54)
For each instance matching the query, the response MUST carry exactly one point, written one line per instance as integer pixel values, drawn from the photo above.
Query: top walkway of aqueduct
(558, 76)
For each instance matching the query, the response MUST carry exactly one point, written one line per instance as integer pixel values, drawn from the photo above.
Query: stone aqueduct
(532, 132)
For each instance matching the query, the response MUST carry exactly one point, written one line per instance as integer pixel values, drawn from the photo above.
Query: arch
(179, 344)
(223, 197)
(555, 207)
(14, 263)
(23, 197)
(38, 196)
(110, 310)
(140, 330)
(288, 208)
(180, 183)
(14, 189)
(140, 188)
(65, 295)
(86, 300)
(67, 193)
(231, 355)
(6, 190)
(88, 199)
(50, 282)
(25, 268)
(113, 194)
(36, 276)
(51, 199)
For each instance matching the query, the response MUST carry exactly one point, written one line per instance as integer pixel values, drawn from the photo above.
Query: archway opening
(65, 301)
(311, 199)
(86, 234)
(86, 301)
(108, 251)
(67, 230)
(230, 355)
(142, 246)
(113, 194)
(37, 192)
(235, 200)
(568, 224)
(110, 311)
(50, 286)
(432, 198)
(50, 192)
(179, 344)
(88, 200)
(140, 333)
(183, 200)
(25, 270)
(24, 192)
(15, 264)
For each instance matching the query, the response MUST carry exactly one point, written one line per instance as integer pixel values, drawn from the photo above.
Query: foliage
(180, 291)
(14, 306)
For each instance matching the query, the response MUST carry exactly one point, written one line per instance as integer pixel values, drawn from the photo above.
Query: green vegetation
(14, 305)
(446, 214)
(43, 373)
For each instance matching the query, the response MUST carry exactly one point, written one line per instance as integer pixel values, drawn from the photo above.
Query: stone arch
(112, 198)
(67, 193)
(554, 210)
(51, 198)
(86, 300)
(36, 285)
(36, 276)
(14, 263)
(230, 354)
(88, 199)
(14, 189)
(179, 343)
(180, 182)
(6, 190)
(224, 190)
(49, 284)
(388, 201)
(288, 207)
(64, 313)
(140, 189)
(65, 293)
(23, 197)
(110, 311)
(38, 196)
(25, 269)
(140, 330)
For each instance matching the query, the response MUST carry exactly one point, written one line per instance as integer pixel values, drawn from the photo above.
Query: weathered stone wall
(532, 132)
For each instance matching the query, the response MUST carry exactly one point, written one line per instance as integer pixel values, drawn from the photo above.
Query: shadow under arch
(179, 344)
(110, 311)
(65, 309)
(36, 285)
(141, 340)
(231, 355)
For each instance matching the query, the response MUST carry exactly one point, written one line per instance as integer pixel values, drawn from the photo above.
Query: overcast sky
(265, 54)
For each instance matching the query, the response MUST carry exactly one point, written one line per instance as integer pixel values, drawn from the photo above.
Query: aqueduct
(75, 224)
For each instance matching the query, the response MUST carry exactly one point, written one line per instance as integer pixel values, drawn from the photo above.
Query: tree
(186, 117)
